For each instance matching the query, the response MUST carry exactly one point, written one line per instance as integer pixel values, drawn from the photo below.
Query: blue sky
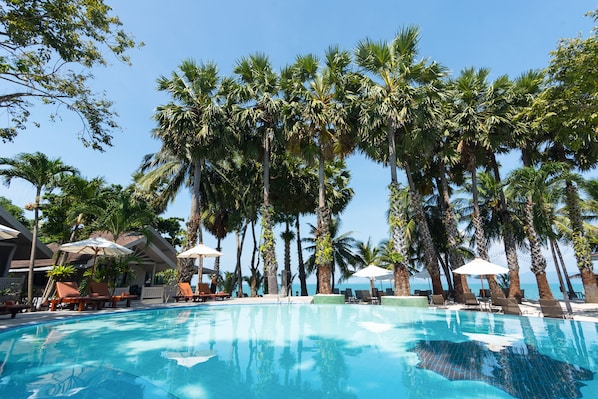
(509, 37)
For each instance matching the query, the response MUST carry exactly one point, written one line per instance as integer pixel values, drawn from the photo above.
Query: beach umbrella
(6, 233)
(481, 267)
(95, 246)
(373, 272)
(199, 251)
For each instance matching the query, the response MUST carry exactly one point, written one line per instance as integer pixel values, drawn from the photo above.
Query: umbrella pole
(199, 274)
(93, 266)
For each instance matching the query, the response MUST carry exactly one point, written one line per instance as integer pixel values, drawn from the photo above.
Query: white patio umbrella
(6, 233)
(199, 251)
(481, 267)
(95, 246)
(373, 272)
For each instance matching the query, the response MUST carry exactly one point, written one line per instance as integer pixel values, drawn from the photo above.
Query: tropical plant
(61, 272)
(527, 186)
(41, 172)
(565, 111)
(318, 121)
(188, 127)
(256, 93)
(394, 105)
(343, 256)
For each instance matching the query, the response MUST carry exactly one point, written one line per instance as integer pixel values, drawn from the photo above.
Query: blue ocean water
(531, 289)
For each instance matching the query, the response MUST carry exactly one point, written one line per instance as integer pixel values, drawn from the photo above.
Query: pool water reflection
(301, 351)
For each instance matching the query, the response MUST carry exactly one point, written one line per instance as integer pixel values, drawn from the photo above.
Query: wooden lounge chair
(470, 301)
(102, 290)
(438, 301)
(186, 294)
(204, 289)
(552, 308)
(12, 308)
(67, 292)
(510, 306)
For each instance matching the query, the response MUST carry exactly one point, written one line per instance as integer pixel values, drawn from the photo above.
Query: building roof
(19, 248)
(152, 250)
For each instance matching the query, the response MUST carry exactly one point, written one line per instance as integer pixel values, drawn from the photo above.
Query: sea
(530, 289)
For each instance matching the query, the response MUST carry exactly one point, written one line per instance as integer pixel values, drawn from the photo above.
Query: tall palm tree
(390, 113)
(527, 187)
(481, 128)
(191, 129)
(41, 172)
(256, 93)
(318, 124)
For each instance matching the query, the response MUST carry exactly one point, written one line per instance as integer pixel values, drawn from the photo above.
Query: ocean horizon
(531, 289)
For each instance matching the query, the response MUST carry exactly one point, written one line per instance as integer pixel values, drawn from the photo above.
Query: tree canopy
(47, 50)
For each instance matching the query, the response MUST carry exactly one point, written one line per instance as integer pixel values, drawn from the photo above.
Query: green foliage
(504, 280)
(267, 248)
(324, 249)
(229, 283)
(61, 272)
(167, 277)
(15, 212)
(115, 270)
(45, 45)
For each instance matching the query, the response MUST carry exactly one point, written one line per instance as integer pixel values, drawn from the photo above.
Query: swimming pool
(300, 351)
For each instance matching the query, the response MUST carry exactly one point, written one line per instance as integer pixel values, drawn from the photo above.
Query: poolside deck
(581, 311)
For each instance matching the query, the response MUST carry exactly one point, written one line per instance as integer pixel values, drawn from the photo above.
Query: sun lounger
(67, 292)
(552, 308)
(510, 306)
(12, 308)
(102, 290)
(438, 301)
(204, 289)
(470, 301)
(186, 294)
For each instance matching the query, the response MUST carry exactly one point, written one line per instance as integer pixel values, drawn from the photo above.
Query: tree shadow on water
(521, 371)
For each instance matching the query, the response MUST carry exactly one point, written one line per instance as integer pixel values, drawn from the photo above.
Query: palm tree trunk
(397, 224)
(269, 241)
(538, 266)
(508, 237)
(479, 230)
(286, 276)
(238, 272)
(186, 269)
(560, 276)
(33, 249)
(456, 260)
(302, 275)
(581, 245)
(254, 266)
(323, 240)
(429, 250)
(572, 293)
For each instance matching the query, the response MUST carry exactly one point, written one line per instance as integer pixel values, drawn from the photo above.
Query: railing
(153, 294)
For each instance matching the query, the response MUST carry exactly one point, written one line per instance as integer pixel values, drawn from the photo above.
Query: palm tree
(391, 107)
(41, 172)
(256, 94)
(481, 128)
(190, 128)
(527, 186)
(343, 252)
(318, 123)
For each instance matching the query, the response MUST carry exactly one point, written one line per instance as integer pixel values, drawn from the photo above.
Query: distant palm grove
(266, 147)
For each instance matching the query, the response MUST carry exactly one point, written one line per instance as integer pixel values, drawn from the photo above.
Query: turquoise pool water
(301, 351)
